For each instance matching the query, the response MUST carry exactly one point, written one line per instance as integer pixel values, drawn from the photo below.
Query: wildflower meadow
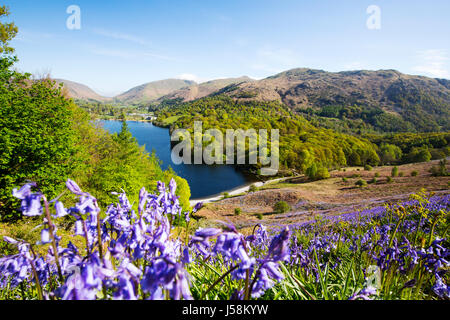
(397, 251)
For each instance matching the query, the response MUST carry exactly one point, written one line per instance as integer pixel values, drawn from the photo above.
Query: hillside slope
(204, 89)
(153, 90)
(415, 99)
(82, 92)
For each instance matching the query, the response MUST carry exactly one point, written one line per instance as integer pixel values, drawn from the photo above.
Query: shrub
(361, 183)
(374, 180)
(253, 188)
(394, 172)
(389, 179)
(368, 167)
(317, 172)
(344, 179)
(440, 170)
(377, 175)
(414, 173)
(401, 174)
(237, 211)
(259, 216)
(281, 207)
(226, 195)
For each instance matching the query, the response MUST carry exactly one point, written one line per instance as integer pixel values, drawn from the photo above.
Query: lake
(203, 180)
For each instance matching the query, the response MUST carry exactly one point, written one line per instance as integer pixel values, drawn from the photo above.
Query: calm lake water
(203, 180)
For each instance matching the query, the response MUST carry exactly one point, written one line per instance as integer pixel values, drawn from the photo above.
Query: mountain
(384, 100)
(81, 91)
(303, 88)
(388, 95)
(197, 91)
(153, 90)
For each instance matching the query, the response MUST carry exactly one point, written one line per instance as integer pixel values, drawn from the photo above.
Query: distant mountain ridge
(405, 101)
(80, 91)
(303, 88)
(197, 91)
(415, 99)
(153, 90)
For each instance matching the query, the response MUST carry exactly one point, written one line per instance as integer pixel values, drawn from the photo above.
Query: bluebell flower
(31, 204)
(279, 247)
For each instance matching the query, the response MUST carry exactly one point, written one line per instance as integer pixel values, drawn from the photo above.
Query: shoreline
(216, 197)
(151, 121)
(237, 191)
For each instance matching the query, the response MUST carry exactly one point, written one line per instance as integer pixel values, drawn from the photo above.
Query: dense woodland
(309, 146)
(302, 146)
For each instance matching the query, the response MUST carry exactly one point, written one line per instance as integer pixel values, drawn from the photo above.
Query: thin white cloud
(121, 36)
(189, 76)
(433, 62)
(129, 54)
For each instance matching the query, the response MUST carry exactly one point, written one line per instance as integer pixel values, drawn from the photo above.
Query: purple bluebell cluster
(130, 254)
(398, 239)
(127, 254)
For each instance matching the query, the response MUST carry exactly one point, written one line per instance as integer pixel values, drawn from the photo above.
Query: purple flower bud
(364, 294)
(74, 188)
(10, 240)
(279, 247)
(207, 233)
(198, 206)
(31, 202)
(172, 186)
(161, 187)
(60, 210)
(79, 231)
(186, 257)
(45, 236)
(24, 191)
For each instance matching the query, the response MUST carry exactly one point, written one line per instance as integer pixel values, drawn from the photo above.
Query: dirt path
(237, 191)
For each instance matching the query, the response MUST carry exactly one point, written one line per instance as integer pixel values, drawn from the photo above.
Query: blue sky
(122, 44)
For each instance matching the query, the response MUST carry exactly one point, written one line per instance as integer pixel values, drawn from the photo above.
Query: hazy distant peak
(153, 90)
(81, 91)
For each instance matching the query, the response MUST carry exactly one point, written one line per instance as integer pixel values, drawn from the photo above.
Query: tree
(37, 137)
(390, 153)
(421, 154)
(317, 172)
(7, 32)
(311, 172)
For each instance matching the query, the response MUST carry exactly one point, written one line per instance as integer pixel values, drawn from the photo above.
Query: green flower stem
(217, 281)
(51, 227)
